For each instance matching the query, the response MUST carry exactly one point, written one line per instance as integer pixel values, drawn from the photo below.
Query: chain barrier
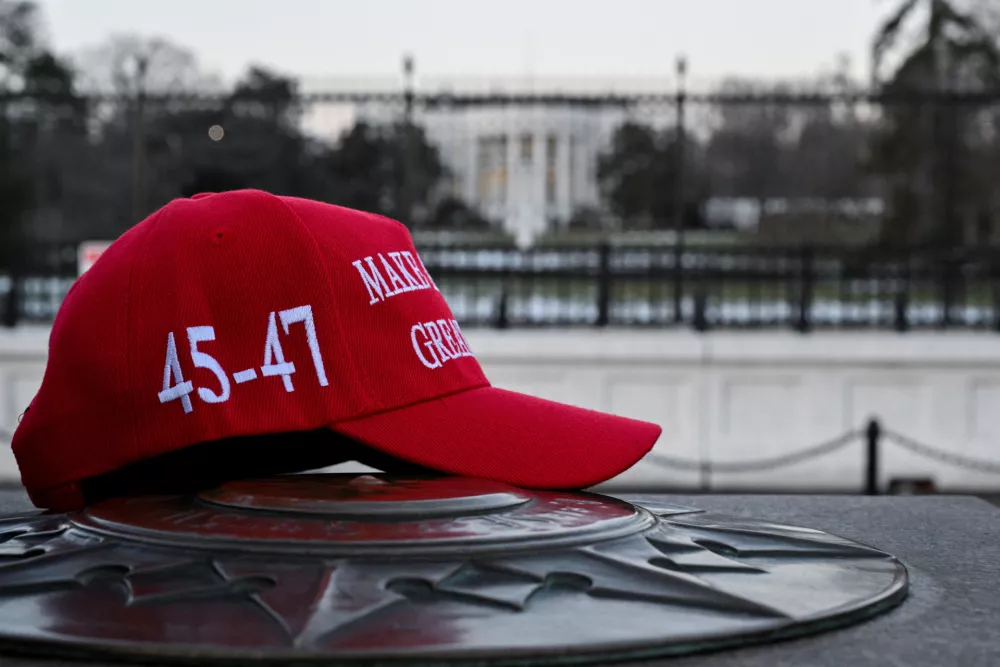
(756, 465)
(958, 460)
(822, 449)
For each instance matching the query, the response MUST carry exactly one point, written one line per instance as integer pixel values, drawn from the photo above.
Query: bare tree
(134, 69)
(133, 65)
(19, 29)
(925, 150)
(748, 145)
(825, 158)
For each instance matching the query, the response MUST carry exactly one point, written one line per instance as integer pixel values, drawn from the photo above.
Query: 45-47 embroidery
(175, 387)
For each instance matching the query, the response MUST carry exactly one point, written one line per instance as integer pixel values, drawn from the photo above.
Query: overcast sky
(540, 38)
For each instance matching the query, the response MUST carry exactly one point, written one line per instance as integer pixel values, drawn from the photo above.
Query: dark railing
(801, 289)
(720, 287)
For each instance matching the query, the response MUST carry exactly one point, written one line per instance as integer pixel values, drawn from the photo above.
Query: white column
(471, 171)
(564, 174)
(588, 149)
(513, 169)
(512, 214)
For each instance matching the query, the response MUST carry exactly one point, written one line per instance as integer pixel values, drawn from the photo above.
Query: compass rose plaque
(370, 568)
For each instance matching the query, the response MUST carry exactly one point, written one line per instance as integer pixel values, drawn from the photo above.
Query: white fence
(726, 397)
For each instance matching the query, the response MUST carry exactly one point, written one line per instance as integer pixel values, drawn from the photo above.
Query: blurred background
(770, 227)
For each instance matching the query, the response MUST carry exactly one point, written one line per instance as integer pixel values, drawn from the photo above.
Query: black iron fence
(611, 285)
(818, 169)
(721, 287)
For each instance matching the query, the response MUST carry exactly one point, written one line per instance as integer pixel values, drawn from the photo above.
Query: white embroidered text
(175, 387)
(383, 278)
(438, 342)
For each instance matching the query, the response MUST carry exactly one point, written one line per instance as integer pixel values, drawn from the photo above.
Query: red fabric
(230, 261)
(503, 435)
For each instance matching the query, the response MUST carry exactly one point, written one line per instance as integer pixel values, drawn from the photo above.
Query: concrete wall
(724, 396)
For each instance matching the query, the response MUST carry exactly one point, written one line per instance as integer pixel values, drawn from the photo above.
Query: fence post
(873, 434)
(995, 292)
(604, 286)
(806, 277)
(678, 281)
(700, 320)
(12, 304)
(503, 321)
(902, 302)
(17, 267)
(947, 277)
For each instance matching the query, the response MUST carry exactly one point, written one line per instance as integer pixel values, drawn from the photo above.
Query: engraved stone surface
(442, 570)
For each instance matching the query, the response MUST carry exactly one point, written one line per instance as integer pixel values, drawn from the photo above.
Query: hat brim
(510, 437)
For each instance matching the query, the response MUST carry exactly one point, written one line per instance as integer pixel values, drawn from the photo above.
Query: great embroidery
(435, 342)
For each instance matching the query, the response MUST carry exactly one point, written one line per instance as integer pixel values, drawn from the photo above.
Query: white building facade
(528, 168)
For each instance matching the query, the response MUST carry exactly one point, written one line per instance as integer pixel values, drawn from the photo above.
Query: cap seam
(329, 290)
(482, 385)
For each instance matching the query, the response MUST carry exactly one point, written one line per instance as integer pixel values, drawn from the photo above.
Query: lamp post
(678, 200)
(139, 156)
(406, 195)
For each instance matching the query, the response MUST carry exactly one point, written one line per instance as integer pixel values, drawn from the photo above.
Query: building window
(491, 170)
(527, 146)
(550, 169)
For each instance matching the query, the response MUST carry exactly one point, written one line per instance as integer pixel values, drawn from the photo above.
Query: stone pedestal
(710, 558)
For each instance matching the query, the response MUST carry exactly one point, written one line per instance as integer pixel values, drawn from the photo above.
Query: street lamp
(678, 209)
(406, 194)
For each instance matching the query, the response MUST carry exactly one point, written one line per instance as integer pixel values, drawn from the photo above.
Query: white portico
(527, 167)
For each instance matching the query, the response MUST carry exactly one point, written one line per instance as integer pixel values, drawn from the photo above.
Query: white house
(529, 167)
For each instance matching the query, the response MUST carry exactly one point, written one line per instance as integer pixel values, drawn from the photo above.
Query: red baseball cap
(244, 313)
